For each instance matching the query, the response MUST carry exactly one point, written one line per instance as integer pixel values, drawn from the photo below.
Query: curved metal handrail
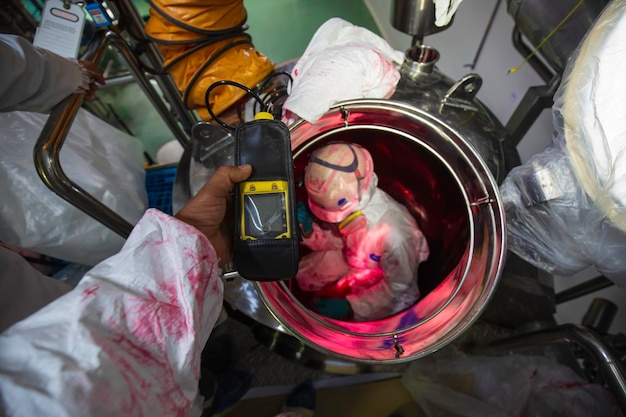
(52, 137)
(133, 23)
(95, 52)
(48, 166)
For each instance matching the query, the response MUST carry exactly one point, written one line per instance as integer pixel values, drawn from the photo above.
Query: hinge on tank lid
(397, 346)
(345, 113)
(462, 93)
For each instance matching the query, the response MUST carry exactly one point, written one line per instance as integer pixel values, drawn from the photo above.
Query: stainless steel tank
(437, 150)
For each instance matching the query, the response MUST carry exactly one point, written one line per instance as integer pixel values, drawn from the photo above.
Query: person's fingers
(94, 72)
(99, 78)
(220, 185)
(239, 173)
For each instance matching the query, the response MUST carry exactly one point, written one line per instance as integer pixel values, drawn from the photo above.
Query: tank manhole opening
(423, 54)
(416, 178)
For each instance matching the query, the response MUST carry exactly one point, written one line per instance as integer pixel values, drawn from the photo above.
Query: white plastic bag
(504, 386)
(341, 62)
(566, 207)
(102, 160)
(445, 10)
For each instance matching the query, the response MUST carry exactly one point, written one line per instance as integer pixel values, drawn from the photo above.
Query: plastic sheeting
(506, 386)
(341, 62)
(105, 162)
(566, 206)
(445, 10)
(127, 340)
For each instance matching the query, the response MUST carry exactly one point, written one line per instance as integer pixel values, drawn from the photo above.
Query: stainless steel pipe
(134, 24)
(415, 18)
(50, 141)
(48, 166)
(101, 42)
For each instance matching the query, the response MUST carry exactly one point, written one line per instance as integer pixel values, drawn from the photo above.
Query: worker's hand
(206, 211)
(95, 76)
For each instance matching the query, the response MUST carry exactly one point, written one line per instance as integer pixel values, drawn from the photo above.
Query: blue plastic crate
(160, 185)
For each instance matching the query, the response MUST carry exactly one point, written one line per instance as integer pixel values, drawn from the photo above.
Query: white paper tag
(61, 28)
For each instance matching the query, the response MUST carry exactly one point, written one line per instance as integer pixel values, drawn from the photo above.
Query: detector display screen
(265, 216)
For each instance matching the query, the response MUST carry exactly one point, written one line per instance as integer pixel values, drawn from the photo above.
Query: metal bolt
(396, 345)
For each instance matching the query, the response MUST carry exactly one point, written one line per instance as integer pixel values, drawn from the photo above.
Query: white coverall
(376, 254)
(33, 79)
(127, 340)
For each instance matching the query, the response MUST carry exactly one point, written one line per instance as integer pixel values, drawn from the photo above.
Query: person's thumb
(239, 173)
(221, 183)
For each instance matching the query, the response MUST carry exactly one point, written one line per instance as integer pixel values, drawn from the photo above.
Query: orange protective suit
(203, 41)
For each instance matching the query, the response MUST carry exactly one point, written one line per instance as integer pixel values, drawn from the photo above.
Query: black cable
(194, 29)
(209, 62)
(266, 100)
(208, 41)
(227, 82)
(200, 47)
(274, 94)
(274, 75)
(233, 32)
(208, 37)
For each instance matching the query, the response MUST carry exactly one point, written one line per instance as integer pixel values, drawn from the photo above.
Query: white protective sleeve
(127, 340)
(34, 79)
(566, 206)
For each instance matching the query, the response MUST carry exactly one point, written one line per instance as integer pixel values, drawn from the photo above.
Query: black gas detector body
(266, 228)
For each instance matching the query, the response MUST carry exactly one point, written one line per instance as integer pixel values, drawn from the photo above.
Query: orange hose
(203, 41)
